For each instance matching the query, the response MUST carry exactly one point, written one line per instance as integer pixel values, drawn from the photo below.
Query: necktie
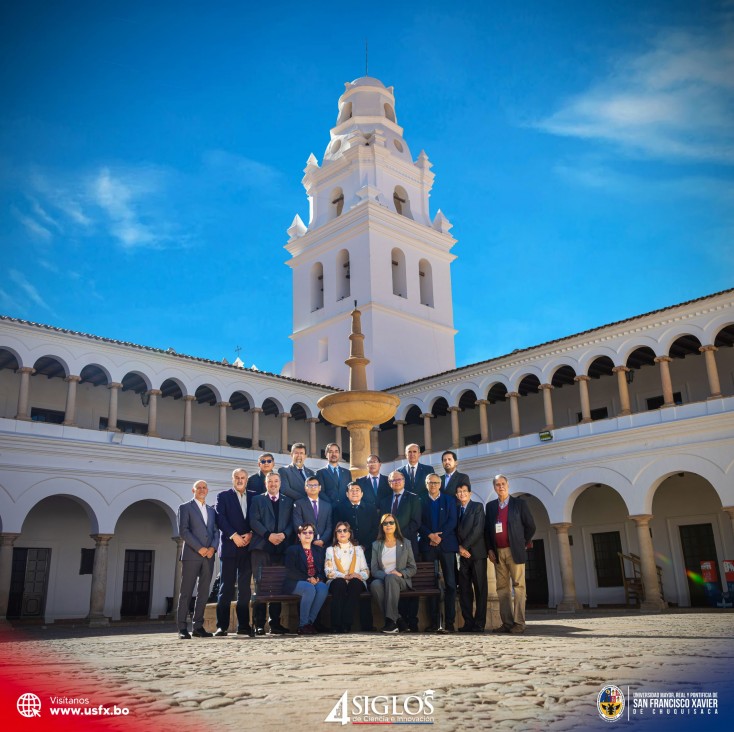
(463, 508)
(395, 506)
(412, 476)
(374, 485)
(303, 473)
(273, 499)
(316, 509)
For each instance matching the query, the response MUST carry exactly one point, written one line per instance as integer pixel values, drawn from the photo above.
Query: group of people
(342, 537)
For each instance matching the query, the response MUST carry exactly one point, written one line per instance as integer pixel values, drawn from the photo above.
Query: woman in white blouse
(393, 565)
(347, 573)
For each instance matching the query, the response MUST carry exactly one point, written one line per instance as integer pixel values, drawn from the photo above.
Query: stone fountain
(358, 409)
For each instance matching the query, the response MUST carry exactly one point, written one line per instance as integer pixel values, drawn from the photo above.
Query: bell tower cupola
(370, 238)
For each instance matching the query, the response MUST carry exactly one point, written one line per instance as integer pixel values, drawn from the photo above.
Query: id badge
(498, 527)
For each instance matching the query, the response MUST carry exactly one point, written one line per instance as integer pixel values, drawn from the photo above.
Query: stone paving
(547, 679)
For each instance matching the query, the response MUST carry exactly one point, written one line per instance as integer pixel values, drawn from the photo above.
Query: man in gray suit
(293, 477)
(313, 510)
(197, 526)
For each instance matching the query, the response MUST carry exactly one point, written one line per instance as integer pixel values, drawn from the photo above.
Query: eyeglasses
(342, 531)
(307, 533)
(397, 480)
(265, 462)
(434, 482)
(388, 523)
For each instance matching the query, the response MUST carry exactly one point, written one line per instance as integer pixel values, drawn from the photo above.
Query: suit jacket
(292, 482)
(457, 479)
(364, 521)
(296, 567)
(470, 530)
(405, 561)
(263, 523)
(194, 532)
(303, 514)
(417, 486)
(409, 515)
(520, 527)
(255, 487)
(446, 524)
(231, 521)
(383, 489)
(334, 489)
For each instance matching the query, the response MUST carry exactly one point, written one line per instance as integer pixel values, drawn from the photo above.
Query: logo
(610, 703)
(403, 709)
(28, 705)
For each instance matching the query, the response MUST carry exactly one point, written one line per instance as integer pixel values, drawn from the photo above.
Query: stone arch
(160, 495)
(519, 374)
(300, 410)
(594, 355)
(17, 349)
(95, 374)
(401, 201)
(209, 393)
(272, 405)
(666, 339)
(241, 399)
(336, 203)
(136, 381)
(317, 286)
(627, 348)
(343, 276)
(563, 375)
(572, 485)
(51, 366)
(713, 329)
(439, 406)
(551, 367)
(486, 385)
(389, 112)
(405, 407)
(529, 384)
(399, 273)
(654, 473)
(173, 387)
(457, 392)
(434, 396)
(425, 282)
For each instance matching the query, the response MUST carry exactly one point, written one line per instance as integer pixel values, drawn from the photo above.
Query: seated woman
(347, 572)
(304, 576)
(392, 567)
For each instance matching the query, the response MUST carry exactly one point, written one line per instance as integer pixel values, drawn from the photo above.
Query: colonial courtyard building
(620, 438)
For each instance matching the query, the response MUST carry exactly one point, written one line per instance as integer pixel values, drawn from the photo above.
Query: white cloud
(675, 100)
(9, 304)
(31, 225)
(245, 171)
(26, 287)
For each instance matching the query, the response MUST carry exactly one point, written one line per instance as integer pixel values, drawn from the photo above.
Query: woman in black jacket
(304, 576)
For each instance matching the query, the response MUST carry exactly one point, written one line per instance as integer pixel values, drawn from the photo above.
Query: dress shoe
(517, 629)
(259, 631)
(449, 628)
(247, 630)
(184, 634)
(477, 629)
(412, 626)
(401, 624)
(220, 633)
(201, 633)
(278, 629)
(466, 628)
(431, 629)
(501, 629)
(390, 627)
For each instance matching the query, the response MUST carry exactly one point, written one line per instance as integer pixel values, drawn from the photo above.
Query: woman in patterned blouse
(304, 576)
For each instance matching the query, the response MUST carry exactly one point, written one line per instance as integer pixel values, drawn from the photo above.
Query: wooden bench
(269, 585)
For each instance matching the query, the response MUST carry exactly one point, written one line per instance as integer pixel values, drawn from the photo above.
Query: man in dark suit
(374, 485)
(313, 510)
(363, 519)
(234, 555)
(414, 472)
(509, 529)
(333, 478)
(438, 542)
(197, 526)
(452, 477)
(406, 507)
(472, 561)
(271, 520)
(256, 482)
(293, 477)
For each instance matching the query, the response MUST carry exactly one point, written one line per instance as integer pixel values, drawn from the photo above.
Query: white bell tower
(370, 238)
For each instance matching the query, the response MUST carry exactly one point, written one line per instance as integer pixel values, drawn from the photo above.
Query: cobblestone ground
(547, 679)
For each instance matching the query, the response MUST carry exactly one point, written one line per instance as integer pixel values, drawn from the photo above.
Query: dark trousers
(447, 562)
(193, 570)
(473, 588)
(235, 569)
(265, 559)
(344, 601)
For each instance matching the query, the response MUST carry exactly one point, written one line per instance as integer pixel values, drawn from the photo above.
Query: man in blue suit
(293, 477)
(472, 579)
(197, 526)
(333, 478)
(438, 542)
(234, 555)
(374, 485)
(509, 529)
(415, 473)
(313, 510)
(271, 520)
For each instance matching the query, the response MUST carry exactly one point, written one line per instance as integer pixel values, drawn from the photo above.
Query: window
(401, 202)
(337, 202)
(345, 114)
(342, 275)
(425, 277)
(599, 413)
(317, 287)
(472, 439)
(606, 559)
(50, 416)
(86, 566)
(399, 284)
(130, 428)
(389, 112)
(658, 401)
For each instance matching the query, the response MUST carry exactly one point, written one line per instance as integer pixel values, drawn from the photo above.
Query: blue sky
(151, 157)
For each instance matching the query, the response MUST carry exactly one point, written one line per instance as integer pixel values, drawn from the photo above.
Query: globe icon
(29, 705)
